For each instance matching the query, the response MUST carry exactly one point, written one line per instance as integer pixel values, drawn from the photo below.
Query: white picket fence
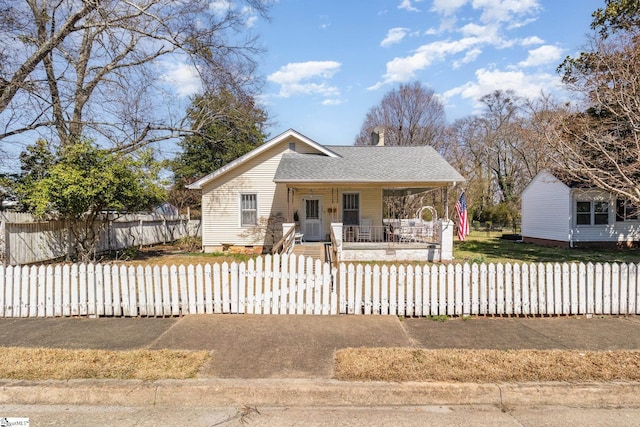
(298, 285)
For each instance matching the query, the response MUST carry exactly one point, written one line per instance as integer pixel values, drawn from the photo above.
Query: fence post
(70, 240)
(7, 246)
(337, 235)
(446, 240)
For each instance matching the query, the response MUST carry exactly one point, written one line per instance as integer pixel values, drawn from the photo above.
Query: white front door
(312, 218)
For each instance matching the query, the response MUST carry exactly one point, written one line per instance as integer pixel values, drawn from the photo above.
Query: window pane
(583, 213)
(248, 209)
(601, 213)
(350, 201)
(350, 209)
(620, 210)
(626, 211)
(312, 208)
(249, 218)
(584, 207)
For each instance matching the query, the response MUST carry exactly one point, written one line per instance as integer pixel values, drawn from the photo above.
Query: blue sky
(328, 62)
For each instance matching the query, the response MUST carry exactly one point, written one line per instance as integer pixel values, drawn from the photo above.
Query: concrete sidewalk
(287, 361)
(303, 347)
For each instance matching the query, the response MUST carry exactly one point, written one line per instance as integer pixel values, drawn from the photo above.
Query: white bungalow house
(329, 193)
(561, 214)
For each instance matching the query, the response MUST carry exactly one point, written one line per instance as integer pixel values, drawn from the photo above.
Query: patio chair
(364, 233)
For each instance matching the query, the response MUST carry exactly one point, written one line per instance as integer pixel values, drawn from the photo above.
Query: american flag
(463, 219)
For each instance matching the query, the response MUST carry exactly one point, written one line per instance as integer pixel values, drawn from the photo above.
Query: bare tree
(600, 145)
(409, 115)
(502, 149)
(97, 68)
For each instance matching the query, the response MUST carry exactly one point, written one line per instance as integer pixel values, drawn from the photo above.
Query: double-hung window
(248, 209)
(626, 211)
(592, 213)
(351, 208)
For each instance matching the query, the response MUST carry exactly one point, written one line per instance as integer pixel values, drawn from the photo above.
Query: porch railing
(285, 245)
(392, 233)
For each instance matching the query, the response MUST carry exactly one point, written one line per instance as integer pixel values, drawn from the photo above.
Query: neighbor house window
(600, 212)
(592, 213)
(626, 211)
(248, 209)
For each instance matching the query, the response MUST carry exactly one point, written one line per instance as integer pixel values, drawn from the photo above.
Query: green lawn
(481, 246)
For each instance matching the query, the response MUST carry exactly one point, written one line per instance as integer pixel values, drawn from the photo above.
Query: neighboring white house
(558, 213)
(289, 177)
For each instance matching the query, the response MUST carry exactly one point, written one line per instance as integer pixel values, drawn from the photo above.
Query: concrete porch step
(310, 249)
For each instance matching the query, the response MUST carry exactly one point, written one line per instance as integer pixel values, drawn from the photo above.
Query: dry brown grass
(482, 366)
(59, 364)
(352, 364)
(174, 255)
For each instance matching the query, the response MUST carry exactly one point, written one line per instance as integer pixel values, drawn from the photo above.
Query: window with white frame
(351, 208)
(592, 212)
(248, 209)
(626, 211)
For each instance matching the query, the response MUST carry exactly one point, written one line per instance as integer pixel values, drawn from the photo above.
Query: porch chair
(364, 233)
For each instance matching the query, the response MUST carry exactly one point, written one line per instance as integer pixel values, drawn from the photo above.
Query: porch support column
(446, 240)
(290, 200)
(446, 202)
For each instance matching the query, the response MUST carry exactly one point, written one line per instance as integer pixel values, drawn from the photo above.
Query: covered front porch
(373, 222)
(435, 247)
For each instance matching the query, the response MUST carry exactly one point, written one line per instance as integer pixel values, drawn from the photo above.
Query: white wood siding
(619, 232)
(546, 209)
(221, 198)
(623, 231)
(370, 205)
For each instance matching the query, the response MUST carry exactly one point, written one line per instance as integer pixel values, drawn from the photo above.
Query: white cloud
(400, 70)
(332, 101)
(183, 77)
(506, 10)
(324, 22)
(447, 24)
(487, 30)
(406, 5)
(487, 81)
(447, 7)
(541, 56)
(250, 16)
(489, 34)
(220, 7)
(529, 41)
(469, 57)
(394, 35)
(302, 78)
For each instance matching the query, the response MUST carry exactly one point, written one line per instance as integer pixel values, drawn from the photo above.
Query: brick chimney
(377, 136)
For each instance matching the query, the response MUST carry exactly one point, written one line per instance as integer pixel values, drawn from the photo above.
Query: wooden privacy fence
(298, 285)
(37, 241)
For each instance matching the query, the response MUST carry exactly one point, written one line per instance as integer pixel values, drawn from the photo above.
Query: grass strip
(59, 364)
(483, 366)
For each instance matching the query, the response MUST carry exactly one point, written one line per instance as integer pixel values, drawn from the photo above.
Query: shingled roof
(390, 164)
